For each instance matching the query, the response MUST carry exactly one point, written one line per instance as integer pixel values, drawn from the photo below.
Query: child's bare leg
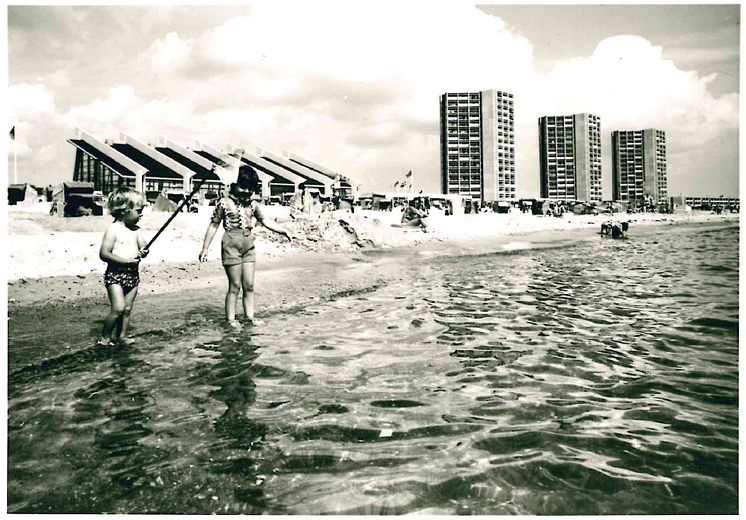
(247, 282)
(116, 297)
(234, 285)
(129, 300)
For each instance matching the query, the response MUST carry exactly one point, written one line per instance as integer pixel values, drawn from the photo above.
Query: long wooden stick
(183, 202)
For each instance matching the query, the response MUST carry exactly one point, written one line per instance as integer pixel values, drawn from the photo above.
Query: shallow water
(600, 378)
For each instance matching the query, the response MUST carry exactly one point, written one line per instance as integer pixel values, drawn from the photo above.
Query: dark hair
(248, 179)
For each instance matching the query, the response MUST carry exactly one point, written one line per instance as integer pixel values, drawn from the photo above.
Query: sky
(355, 85)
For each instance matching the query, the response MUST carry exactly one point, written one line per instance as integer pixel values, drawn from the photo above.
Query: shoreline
(156, 278)
(183, 294)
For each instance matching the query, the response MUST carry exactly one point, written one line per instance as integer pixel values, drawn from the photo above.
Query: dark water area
(598, 378)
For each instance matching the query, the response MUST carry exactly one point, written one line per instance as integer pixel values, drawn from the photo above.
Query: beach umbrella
(226, 169)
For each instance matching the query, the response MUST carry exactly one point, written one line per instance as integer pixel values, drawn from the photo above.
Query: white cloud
(33, 113)
(30, 102)
(107, 111)
(356, 86)
(58, 79)
(167, 55)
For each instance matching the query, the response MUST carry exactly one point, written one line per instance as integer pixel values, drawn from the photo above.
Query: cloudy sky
(355, 85)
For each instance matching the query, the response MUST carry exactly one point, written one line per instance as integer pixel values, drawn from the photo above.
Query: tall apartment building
(570, 157)
(639, 165)
(477, 145)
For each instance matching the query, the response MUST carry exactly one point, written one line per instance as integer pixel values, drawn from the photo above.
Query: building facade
(570, 157)
(639, 165)
(711, 203)
(477, 145)
(169, 166)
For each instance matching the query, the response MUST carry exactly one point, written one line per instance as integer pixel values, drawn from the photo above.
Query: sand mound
(340, 231)
(42, 246)
(25, 227)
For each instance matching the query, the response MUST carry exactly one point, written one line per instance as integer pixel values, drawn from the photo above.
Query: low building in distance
(477, 145)
(570, 157)
(639, 165)
(720, 203)
(171, 168)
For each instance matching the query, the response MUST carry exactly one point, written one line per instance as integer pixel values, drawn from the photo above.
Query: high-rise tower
(639, 165)
(477, 144)
(570, 157)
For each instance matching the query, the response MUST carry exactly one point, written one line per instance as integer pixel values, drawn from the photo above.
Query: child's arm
(142, 245)
(212, 228)
(271, 224)
(209, 235)
(107, 245)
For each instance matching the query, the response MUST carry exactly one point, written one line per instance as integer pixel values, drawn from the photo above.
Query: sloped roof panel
(276, 178)
(105, 159)
(311, 183)
(200, 171)
(155, 169)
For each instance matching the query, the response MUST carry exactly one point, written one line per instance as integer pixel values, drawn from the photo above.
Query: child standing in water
(122, 248)
(237, 212)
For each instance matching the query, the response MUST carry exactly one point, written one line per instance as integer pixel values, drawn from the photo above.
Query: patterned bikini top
(233, 215)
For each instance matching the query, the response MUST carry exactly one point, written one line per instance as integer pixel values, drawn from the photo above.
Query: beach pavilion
(170, 167)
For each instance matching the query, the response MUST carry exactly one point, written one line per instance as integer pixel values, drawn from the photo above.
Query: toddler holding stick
(122, 248)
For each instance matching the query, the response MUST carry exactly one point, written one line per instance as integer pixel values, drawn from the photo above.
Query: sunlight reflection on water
(595, 379)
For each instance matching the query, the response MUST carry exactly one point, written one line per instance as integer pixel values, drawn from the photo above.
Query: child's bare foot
(126, 341)
(253, 321)
(234, 324)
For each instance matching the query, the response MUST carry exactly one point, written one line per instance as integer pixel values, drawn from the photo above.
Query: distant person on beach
(315, 204)
(237, 212)
(414, 216)
(300, 202)
(122, 248)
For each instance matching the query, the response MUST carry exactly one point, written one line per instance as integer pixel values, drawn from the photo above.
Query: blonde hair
(124, 199)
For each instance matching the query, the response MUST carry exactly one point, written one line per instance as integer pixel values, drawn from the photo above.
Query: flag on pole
(13, 133)
(396, 184)
(409, 174)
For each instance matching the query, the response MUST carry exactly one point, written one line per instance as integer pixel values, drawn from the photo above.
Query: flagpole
(15, 158)
(412, 183)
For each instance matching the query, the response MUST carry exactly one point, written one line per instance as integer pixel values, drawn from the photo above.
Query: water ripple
(600, 378)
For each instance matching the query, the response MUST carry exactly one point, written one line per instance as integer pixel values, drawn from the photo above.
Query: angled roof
(310, 182)
(156, 170)
(105, 159)
(342, 182)
(345, 180)
(200, 171)
(276, 178)
(76, 184)
(208, 156)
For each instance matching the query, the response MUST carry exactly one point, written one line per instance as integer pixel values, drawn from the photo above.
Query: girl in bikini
(122, 248)
(237, 212)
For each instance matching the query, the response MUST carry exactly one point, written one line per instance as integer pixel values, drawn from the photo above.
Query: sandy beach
(54, 273)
